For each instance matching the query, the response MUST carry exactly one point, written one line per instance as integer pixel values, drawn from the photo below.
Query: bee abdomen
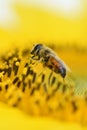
(63, 72)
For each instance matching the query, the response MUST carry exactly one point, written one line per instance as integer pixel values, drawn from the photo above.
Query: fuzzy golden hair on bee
(49, 59)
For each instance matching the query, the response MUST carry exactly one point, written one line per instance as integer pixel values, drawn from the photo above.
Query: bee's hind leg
(49, 78)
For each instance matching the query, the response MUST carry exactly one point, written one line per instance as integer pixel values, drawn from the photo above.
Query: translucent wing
(57, 58)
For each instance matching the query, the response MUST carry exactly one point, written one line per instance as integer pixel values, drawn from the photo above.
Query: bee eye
(36, 48)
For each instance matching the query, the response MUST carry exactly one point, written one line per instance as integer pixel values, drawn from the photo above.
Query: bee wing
(54, 55)
(61, 62)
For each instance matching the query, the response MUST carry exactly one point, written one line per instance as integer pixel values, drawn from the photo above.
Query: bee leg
(64, 80)
(50, 77)
(41, 60)
(33, 58)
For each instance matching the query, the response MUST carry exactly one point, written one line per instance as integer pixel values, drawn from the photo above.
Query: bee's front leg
(35, 57)
(36, 60)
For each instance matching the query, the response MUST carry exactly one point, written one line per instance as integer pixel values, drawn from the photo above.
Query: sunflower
(31, 97)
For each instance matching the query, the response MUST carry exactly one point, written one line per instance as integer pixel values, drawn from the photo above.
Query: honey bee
(49, 59)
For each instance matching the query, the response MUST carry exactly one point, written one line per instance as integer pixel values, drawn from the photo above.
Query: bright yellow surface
(40, 25)
(13, 119)
(37, 25)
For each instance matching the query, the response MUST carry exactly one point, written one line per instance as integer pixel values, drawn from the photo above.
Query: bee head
(63, 72)
(35, 50)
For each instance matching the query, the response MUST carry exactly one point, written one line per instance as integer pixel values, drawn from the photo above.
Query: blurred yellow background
(13, 119)
(60, 22)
